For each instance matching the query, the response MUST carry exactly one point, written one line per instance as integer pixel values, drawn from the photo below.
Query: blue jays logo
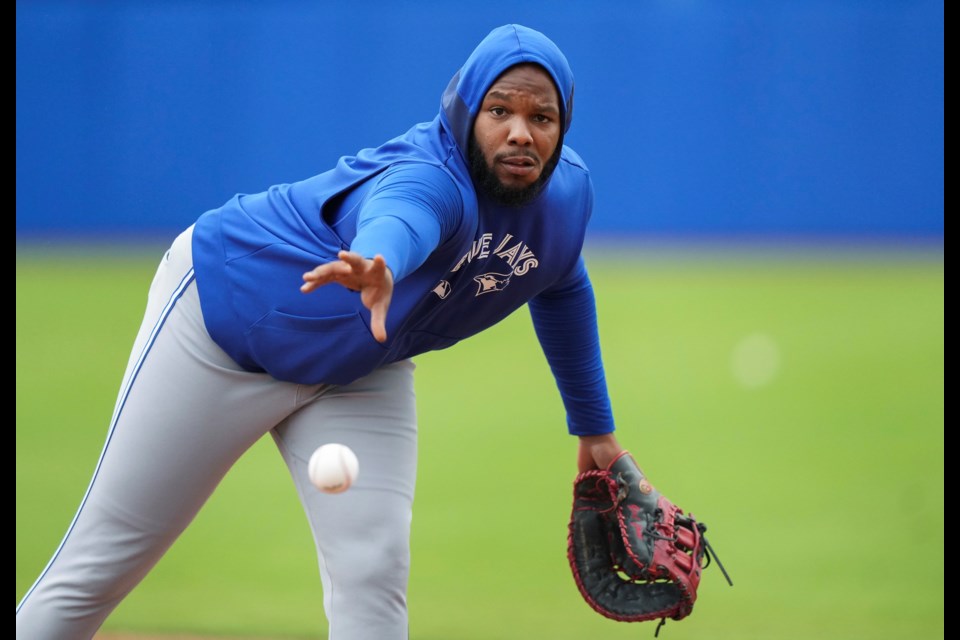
(519, 259)
(490, 282)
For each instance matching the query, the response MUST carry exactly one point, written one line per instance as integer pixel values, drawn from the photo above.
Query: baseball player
(296, 312)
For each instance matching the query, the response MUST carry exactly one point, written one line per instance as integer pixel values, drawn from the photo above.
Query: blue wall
(724, 118)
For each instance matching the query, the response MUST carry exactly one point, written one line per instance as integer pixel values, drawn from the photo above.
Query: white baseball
(333, 468)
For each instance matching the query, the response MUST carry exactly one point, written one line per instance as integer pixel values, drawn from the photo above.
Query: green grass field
(793, 401)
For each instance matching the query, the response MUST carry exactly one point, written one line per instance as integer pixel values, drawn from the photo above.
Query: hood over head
(445, 140)
(503, 48)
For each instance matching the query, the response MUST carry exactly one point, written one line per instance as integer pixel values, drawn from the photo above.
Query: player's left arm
(565, 321)
(597, 452)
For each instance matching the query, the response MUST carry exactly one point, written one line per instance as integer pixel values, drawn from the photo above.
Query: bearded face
(515, 144)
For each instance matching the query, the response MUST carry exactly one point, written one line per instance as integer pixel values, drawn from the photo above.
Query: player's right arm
(370, 277)
(409, 211)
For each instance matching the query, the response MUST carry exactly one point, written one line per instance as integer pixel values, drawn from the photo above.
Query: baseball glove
(635, 556)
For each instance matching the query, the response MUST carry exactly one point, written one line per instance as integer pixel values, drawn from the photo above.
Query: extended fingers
(325, 274)
(351, 270)
(326, 270)
(356, 262)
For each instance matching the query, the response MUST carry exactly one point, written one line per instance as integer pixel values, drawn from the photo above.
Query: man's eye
(498, 111)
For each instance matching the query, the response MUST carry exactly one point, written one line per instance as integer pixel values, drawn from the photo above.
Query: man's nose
(520, 133)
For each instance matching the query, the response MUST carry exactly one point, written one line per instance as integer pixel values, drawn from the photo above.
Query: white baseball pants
(184, 415)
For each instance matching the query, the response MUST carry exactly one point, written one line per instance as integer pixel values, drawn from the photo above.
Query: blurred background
(766, 247)
(792, 118)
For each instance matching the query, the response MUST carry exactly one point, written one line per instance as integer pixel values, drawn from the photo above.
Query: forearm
(566, 326)
(403, 247)
(409, 211)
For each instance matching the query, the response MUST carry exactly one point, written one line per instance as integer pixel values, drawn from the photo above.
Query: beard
(487, 182)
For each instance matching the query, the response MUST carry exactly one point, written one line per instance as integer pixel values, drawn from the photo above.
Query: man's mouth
(518, 165)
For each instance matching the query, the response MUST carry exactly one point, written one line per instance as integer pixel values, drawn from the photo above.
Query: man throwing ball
(296, 312)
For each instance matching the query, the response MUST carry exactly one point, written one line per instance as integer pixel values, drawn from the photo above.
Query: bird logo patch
(491, 282)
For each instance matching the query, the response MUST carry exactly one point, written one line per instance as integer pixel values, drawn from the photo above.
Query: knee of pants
(81, 594)
(377, 561)
(102, 560)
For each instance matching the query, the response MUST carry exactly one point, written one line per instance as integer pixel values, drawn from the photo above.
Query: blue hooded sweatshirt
(461, 263)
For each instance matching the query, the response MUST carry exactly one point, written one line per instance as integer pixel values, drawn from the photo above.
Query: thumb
(378, 321)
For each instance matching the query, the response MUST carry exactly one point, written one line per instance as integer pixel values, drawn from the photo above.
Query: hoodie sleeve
(565, 321)
(410, 210)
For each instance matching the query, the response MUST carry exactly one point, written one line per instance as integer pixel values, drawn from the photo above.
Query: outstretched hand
(371, 278)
